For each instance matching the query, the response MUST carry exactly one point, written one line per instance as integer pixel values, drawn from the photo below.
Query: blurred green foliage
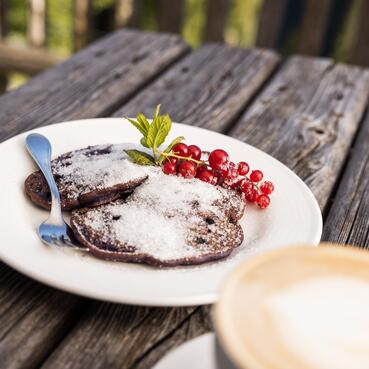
(241, 27)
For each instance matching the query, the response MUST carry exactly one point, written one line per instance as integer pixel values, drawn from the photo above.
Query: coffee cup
(296, 308)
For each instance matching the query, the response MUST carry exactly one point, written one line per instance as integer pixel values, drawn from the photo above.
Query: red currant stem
(200, 162)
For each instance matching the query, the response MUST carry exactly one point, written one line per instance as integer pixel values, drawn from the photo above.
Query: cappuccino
(304, 308)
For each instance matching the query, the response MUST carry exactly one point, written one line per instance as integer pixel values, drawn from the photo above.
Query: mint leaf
(157, 110)
(144, 123)
(140, 157)
(169, 148)
(153, 131)
(139, 125)
(165, 124)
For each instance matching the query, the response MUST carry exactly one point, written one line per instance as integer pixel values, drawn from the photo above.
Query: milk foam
(324, 321)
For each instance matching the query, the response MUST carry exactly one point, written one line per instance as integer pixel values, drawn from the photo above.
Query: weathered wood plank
(271, 18)
(360, 51)
(36, 24)
(197, 323)
(309, 115)
(116, 335)
(215, 78)
(315, 22)
(32, 316)
(33, 319)
(216, 20)
(170, 15)
(348, 217)
(208, 88)
(90, 84)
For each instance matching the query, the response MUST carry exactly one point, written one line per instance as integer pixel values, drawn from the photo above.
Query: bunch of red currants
(217, 169)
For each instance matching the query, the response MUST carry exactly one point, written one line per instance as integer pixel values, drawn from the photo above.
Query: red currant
(180, 149)
(232, 171)
(169, 168)
(171, 159)
(194, 152)
(218, 159)
(267, 187)
(207, 176)
(263, 201)
(251, 195)
(256, 175)
(245, 185)
(187, 169)
(243, 168)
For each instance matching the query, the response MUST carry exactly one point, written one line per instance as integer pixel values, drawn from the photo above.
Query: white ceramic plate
(293, 218)
(198, 353)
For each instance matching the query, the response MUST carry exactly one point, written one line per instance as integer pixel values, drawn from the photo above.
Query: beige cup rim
(239, 354)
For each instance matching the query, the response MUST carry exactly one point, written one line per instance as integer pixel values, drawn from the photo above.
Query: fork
(54, 231)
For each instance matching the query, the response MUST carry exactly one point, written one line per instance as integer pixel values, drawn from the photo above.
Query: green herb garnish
(154, 135)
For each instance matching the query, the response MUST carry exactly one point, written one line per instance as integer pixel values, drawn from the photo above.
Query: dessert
(150, 204)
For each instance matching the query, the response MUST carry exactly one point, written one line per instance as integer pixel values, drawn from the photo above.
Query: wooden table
(307, 112)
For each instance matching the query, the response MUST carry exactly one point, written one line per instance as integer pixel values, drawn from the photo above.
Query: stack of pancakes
(127, 212)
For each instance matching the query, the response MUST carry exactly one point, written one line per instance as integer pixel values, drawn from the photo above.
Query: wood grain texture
(34, 317)
(307, 118)
(116, 336)
(196, 324)
(90, 84)
(208, 88)
(348, 218)
(315, 22)
(271, 19)
(212, 78)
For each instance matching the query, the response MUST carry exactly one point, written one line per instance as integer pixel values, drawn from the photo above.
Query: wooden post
(36, 25)
(82, 19)
(271, 19)
(127, 13)
(170, 15)
(315, 22)
(360, 51)
(3, 31)
(216, 20)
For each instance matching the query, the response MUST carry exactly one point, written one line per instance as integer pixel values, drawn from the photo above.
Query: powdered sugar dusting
(96, 168)
(173, 194)
(164, 218)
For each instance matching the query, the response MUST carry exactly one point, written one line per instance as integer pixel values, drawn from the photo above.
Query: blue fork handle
(40, 149)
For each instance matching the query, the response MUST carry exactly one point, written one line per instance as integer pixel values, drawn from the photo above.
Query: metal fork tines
(54, 231)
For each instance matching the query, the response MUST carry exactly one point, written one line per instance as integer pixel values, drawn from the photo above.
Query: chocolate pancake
(88, 177)
(167, 221)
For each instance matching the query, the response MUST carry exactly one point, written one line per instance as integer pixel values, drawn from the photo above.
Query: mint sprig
(153, 136)
(140, 157)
